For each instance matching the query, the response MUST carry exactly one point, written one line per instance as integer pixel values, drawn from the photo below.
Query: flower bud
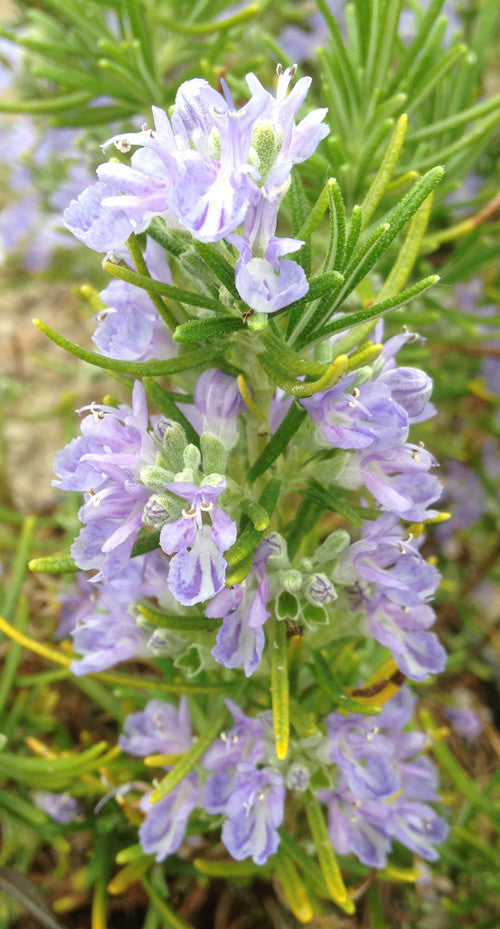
(173, 442)
(319, 590)
(192, 457)
(411, 388)
(329, 470)
(214, 453)
(333, 546)
(159, 509)
(155, 477)
(217, 398)
(290, 580)
(298, 777)
(275, 548)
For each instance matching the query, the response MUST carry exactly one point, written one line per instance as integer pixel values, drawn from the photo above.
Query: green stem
(142, 268)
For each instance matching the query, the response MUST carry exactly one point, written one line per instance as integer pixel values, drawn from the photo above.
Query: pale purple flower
(411, 388)
(163, 830)
(417, 826)
(240, 640)
(198, 567)
(254, 812)
(366, 825)
(217, 403)
(360, 417)
(357, 826)
(396, 477)
(160, 728)
(98, 228)
(106, 637)
(105, 461)
(364, 755)
(209, 169)
(100, 616)
(404, 631)
(76, 605)
(245, 741)
(175, 172)
(300, 42)
(465, 495)
(390, 561)
(269, 283)
(62, 808)
(465, 721)
(130, 327)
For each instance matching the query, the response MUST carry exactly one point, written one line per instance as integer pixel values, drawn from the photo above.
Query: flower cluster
(143, 474)
(380, 785)
(385, 786)
(170, 517)
(217, 172)
(384, 571)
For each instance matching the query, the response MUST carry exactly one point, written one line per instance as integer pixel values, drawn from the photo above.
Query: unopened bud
(320, 590)
(327, 472)
(333, 546)
(298, 777)
(214, 453)
(155, 477)
(290, 580)
(192, 457)
(159, 509)
(173, 441)
(276, 550)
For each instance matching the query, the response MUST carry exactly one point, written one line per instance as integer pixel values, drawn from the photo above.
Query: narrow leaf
(293, 888)
(281, 376)
(158, 287)
(53, 564)
(221, 267)
(179, 623)
(278, 442)
(410, 249)
(326, 855)
(306, 864)
(337, 244)
(377, 310)
(331, 686)
(26, 893)
(279, 688)
(220, 25)
(216, 328)
(316, 214)
(333, 501)
(137, 368)
(188, 761)
(229, 870)
(52, 105)
(384, 173)
(353, 232)
(247, 542)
